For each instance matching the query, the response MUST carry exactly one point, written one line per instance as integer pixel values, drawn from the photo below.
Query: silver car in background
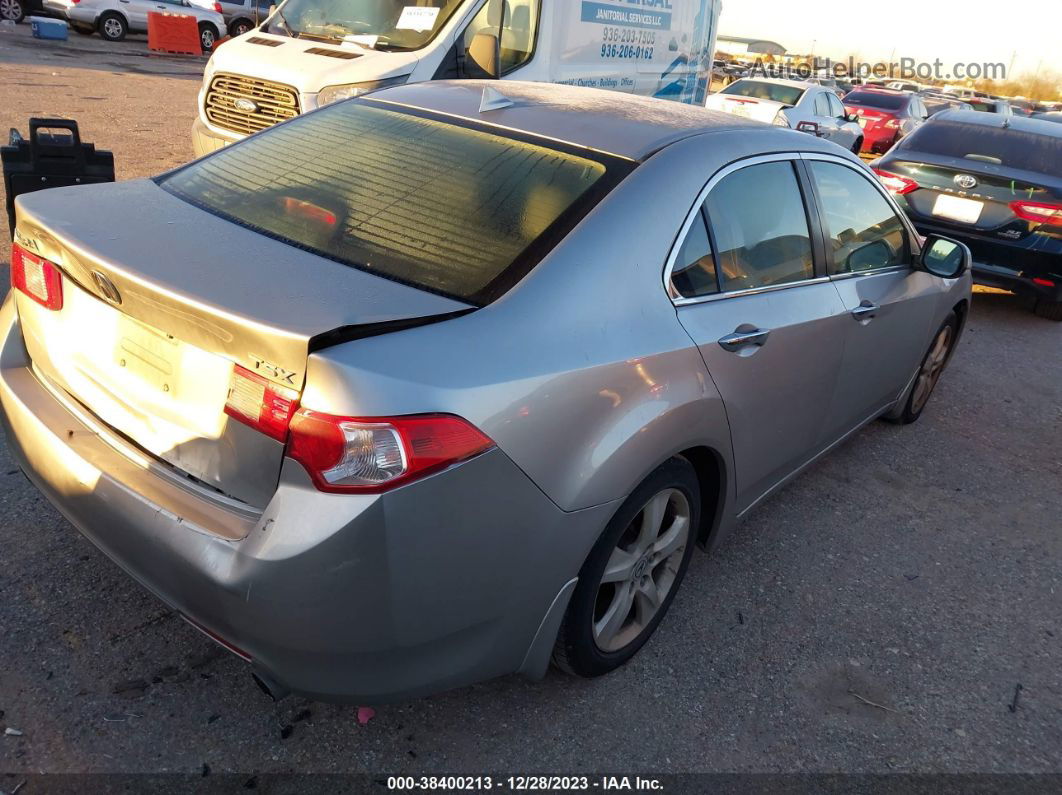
(461, 399)
(804, 106)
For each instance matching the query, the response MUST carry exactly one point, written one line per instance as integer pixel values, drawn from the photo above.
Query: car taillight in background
(370, 455)
(894, 183)
(261, 404)
(893, 123)
(217, 7)
(36, 277)
(1038, 212)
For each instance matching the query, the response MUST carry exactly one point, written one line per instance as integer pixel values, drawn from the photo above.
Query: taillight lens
(261, 404)
(892, 124)
(894, 183)
(217, 7)
(1038, 212)
(370, 455)
(36, 277)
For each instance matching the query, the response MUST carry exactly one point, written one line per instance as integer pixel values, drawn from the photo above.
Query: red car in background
(886, 116)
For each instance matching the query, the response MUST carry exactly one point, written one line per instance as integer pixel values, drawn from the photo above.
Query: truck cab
(310, 53)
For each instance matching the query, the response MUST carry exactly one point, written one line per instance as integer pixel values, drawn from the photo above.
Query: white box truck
(309, 53)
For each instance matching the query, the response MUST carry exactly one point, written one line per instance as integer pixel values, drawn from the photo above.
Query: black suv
(995, 183)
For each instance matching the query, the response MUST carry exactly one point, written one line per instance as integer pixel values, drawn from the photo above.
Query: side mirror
(853, 117)
(944, 257)
(485, 52)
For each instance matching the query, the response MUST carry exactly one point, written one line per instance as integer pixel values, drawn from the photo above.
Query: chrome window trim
(676, 247)
(912, 233)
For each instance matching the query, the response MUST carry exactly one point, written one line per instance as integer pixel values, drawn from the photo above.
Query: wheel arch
(712, 475)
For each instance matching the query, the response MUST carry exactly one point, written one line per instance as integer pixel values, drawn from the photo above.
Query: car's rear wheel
(239, 27)
(936, 359)
(632, 574)
(1052, 310)
(112, 26)
(208, 35)
(12, 10)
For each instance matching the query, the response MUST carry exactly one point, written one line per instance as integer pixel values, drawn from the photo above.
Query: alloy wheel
(112, 27)
(10, 9)
(206, 36)
(641, 570)
(932, 367)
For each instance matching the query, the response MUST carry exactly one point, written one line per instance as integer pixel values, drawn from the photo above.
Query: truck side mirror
(485, 52)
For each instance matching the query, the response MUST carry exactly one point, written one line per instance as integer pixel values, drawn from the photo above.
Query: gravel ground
(877, 615)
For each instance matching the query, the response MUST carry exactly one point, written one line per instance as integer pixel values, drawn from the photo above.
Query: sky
(952, 30)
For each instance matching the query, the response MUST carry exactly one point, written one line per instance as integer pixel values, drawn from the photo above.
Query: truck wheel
(12, 10)
(208, 35)
(1052, 310)
(112, 26)
(632, 574)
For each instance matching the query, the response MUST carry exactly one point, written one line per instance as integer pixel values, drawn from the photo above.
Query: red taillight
(894, 183)
(1043, 282)
(1038, 212)
(217, 7)
(36, 277)
(370, 455)
(261, 404)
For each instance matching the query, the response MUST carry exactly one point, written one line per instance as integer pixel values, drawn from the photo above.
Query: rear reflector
(371, 455)
(36, 277)
(894, 183)
(1038, 212)
(1043, 282)
(261, 404)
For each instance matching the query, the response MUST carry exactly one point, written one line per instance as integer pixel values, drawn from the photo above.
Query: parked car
(904, 85)
(886, 116)
(1053, 116)
(240, 15)
(995, 184)
(114, 19)
(804, 106)
(830, 83)
(1022, 106)
(444, 457)
(17, 10)
(936, 104)
(988, 105)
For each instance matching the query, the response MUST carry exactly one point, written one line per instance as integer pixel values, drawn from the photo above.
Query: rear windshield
(872, 99)
(458, 210)
(1006, 147)
(787, 95)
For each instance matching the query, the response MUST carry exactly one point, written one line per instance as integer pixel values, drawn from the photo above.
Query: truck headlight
(330, 94)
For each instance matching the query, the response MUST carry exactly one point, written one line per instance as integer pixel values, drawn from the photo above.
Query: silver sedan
(440, 384)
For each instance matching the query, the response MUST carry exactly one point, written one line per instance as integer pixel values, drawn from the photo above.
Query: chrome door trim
(684, 230)
(770, 288)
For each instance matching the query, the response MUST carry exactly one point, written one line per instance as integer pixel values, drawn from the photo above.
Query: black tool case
(52, 157)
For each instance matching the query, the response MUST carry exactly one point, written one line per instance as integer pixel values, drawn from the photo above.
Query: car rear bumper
(205, 140)
(454, 579)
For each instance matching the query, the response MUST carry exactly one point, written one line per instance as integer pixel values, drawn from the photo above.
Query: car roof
(1020, 123)
(608, 121)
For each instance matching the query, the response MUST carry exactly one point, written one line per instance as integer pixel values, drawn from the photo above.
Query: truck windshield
(384, 24)
(449, 207)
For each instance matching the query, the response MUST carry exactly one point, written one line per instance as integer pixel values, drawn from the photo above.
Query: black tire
(1050, 310)
(858, 148)
(112, 26)
(13, 10)
(913, 407)
(208, 36)
(576, 650)
(240, 26)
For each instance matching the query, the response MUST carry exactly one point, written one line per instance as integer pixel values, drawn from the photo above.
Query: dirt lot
(875, 616)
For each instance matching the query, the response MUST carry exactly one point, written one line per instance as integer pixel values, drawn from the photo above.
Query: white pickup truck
(309, 53)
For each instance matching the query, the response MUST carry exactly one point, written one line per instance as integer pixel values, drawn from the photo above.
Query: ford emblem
(246, 105)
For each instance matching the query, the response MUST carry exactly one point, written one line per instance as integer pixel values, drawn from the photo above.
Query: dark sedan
(995, 183)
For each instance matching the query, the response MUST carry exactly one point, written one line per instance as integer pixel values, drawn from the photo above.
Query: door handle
(866, 311)
(742, 339)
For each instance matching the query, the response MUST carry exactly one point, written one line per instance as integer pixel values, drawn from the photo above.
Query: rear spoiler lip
(343, 334)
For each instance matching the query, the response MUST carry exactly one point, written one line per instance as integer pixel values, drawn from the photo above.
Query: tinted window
(876, 99)
(1008, 147)
(426, 202)
(836, 108)
(864, 232)
(822, 105)
(761, 227)
(787, 95)
(694, 272)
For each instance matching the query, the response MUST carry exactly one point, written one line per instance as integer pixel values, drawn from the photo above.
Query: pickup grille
(273, 102)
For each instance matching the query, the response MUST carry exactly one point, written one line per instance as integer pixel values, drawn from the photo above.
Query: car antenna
(493, 99)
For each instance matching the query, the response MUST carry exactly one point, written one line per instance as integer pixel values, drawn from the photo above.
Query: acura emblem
(106, 288)
(965, 181)
(244, 104)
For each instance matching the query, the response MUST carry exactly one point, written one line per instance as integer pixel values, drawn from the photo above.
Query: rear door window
(822, 105)
(760, 227)
(989, 144)
(460, 210)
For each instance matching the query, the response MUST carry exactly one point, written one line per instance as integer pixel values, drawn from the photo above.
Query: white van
(313, 52)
